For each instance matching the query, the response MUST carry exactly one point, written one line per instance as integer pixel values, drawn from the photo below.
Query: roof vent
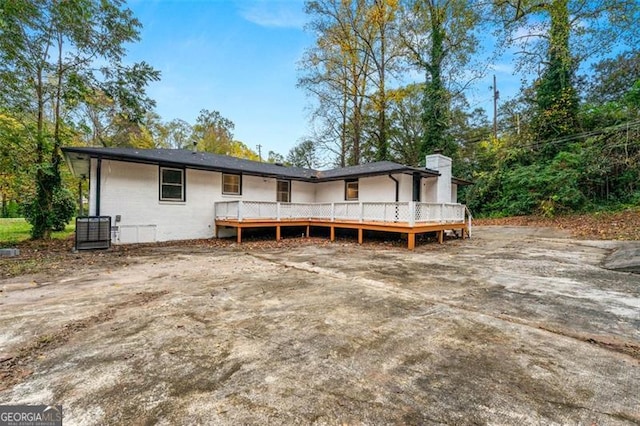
(279, 164)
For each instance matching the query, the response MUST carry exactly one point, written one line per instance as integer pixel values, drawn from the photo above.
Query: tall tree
(380, 39)
(441, 36)
(337, 71)
(406, 130)
(214, 133)
(51, 54)
(560, 35)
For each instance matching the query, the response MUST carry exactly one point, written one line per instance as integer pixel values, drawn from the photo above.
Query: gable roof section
(78, 159)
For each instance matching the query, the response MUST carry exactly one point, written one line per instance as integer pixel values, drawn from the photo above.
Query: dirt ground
(518, 325)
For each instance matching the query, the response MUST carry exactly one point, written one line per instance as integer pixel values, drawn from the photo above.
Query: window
(231, 184)
(284, 191)
(171, 184)
(351, 190)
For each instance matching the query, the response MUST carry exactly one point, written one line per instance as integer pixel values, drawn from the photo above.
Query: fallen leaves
(623, 225)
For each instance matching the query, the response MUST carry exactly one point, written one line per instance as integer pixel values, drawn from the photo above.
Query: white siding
(454, 193)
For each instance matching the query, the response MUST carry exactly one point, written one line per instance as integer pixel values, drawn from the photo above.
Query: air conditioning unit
(93, 232)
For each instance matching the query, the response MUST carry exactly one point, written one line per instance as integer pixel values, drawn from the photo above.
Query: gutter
(397, 187)
(98, 180)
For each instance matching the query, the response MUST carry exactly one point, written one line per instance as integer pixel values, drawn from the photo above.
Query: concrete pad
(513, 327)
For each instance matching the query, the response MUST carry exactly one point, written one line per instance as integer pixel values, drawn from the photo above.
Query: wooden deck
(360, 226)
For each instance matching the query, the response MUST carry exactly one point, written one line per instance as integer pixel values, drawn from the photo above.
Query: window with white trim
(283, 194)
(231, 184)
(351, 190)
(171, 184)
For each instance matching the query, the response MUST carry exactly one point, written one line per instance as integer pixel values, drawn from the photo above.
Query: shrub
(63, 210)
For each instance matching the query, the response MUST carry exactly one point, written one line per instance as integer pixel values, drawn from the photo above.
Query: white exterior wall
(330, 192)
(406, 188)
(303, 192)
(429, 190)
(131, 190)
(370, 189)
(454, 193)
(377, 188)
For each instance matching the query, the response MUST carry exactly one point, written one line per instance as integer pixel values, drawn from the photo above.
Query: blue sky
(236, 57)
(239, 57)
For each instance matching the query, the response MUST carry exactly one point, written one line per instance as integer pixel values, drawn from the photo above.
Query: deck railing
(408, 212)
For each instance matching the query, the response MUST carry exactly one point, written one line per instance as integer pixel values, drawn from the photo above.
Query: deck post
(333, 233)
(308, 231)
(361, 213)
(411, 240)
(441, 236)
(239, 235)
(333, 213)
(412, 213)
(278, 213)
(442, 212)
(360, 235)
(278, 233)
(239, 211)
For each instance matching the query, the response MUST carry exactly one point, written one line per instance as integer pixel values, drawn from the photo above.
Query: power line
(576, 136)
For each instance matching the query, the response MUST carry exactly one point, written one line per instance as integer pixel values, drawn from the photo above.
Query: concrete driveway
(515, 326)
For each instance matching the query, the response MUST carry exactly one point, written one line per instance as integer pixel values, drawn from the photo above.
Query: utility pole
(496, 95)
(259, 151)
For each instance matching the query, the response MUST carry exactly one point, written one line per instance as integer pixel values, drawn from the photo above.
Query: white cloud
(274, 14)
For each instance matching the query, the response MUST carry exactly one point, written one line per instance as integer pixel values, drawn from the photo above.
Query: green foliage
(543, 188)
(56, 56)
(11, 209)
(303, 154)
(62, 211)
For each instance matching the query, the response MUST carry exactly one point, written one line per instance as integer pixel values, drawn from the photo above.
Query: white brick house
(164, 194)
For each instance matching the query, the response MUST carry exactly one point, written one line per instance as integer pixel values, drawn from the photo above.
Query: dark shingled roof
(189, 159)
(78, 158)
(372, 169)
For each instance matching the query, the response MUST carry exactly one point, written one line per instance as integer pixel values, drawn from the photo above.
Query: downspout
(98, 180)
(397, 187)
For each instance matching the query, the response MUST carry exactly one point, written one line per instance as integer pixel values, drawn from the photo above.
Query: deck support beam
(411, 240)
(438, 228)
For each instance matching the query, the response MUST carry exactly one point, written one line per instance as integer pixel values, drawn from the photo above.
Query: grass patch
(14, 231)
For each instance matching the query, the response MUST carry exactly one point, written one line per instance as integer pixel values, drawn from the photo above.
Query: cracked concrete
(516, 326)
